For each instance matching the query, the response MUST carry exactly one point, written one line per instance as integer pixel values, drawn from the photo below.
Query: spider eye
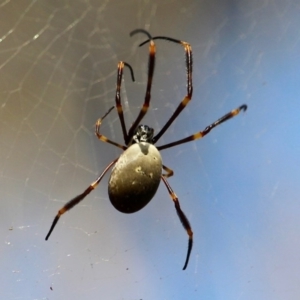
(143, 133)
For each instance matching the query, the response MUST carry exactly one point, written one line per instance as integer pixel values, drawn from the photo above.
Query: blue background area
(238, 186)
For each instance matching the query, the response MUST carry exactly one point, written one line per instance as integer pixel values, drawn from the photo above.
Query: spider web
(238, 186)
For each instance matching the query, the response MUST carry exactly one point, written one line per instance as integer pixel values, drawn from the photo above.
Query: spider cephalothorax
(143, 133)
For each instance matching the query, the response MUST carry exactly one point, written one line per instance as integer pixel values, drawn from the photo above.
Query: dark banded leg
(121, 66)
(104, 138)
(78, 198)
(151, 65)
(184, 221)
(169, 171)
(189, 70)
(201, 134)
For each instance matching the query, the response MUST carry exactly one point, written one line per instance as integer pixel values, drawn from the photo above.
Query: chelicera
(138, 171)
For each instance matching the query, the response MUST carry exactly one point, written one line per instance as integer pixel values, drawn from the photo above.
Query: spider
(138, 171)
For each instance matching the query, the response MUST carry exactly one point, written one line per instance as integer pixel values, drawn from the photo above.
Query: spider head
(143, 133)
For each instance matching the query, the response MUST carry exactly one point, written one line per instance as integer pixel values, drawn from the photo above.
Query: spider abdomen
(135, 177)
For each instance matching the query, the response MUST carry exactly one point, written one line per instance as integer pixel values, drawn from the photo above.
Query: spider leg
(185, 222)
(151, 65)
(201, 134)
(121, 65)
(102, 137)
(78, 198)
(189, 70)
(169, 171)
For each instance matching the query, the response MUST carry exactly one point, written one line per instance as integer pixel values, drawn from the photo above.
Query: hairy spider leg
(121, 65)
(151, 65)
(201, 134)
(184, 220)
(78, 198)
(189, 71)
(103, 138)
(169, 171)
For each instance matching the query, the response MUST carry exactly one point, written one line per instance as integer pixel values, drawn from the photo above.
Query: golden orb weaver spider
(137, 172)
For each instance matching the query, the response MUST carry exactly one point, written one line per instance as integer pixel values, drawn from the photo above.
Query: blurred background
(238, 186)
